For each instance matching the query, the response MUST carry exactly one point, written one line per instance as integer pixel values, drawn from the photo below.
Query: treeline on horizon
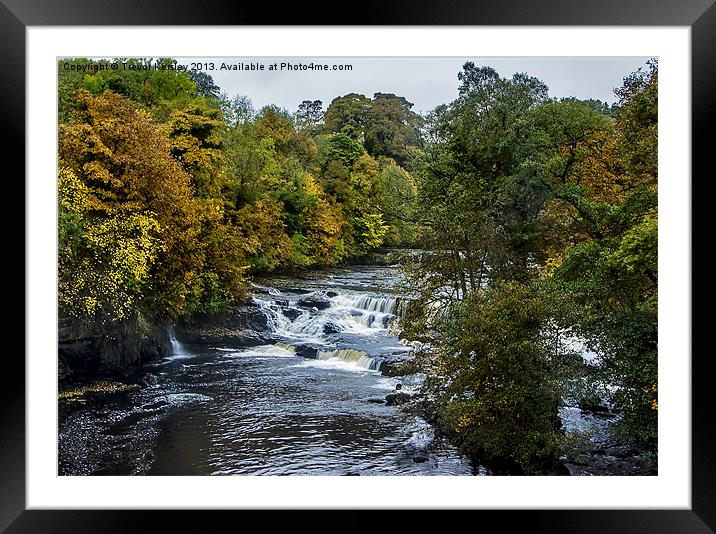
(537, 218)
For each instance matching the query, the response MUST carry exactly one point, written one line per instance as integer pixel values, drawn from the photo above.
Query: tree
(274, 124)
(552, 202)
(348, 115)
(195, 135)
(309, 116)
(396, 202)
(104, 263)
(205, 86)
(612, 272)
(152, 83)
(494, 393)
(132, 175)
(392, 129)
(338, 147)
(237, 111)
(125, 168)
(479, 192)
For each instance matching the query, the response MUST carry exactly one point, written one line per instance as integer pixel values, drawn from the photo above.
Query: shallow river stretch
(265, 410)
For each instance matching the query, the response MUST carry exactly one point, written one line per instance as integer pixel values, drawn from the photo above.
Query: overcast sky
(427, 82)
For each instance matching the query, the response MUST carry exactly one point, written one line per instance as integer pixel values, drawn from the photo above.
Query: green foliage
(392, 129)
(555, 202)
(348, 115)
(385, 126)
(205, 86)
(490, 378)
(237, 111)
(152, 83)
(309, 117)
(338, 148)
(396, 198)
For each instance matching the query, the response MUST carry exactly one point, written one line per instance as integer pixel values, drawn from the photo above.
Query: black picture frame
(699, 15)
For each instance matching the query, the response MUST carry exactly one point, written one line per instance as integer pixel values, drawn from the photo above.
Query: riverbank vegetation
(536, 218)
(539, 222)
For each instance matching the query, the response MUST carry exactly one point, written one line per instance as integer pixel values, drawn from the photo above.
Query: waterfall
(286, 347)
(376, 304)
(358, 358)
(348, 312)
(178, 350)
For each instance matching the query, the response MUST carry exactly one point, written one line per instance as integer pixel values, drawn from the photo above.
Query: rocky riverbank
(82, 350)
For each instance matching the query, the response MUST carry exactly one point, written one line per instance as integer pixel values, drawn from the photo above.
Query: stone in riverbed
(331, 328)
(317, 300)
(291, 313)
(396, 399)
(593, 407)
(306, 351)
(220, 336)
(399, 368)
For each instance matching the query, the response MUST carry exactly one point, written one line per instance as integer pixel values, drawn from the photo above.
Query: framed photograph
(406, 263)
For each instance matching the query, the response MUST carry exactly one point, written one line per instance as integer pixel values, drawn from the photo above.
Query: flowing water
(310, 401)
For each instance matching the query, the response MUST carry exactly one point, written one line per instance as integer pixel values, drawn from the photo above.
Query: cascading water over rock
(358, 358)
(350, 313)
(178, 349)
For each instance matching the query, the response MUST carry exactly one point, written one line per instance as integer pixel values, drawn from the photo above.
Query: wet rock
(331, 328)
(306, 351)
(292, 313)
(396, 399)
(118, 347)
(331, 294)
(223, 336)
(242, 326)
(281, 302)
(247, 316)
(147, 380)
(297, 290)
(376, 401)
(316, 300)
(420, 459)
(623, 452)
(64, 371)
(399, 367)
(593, 407)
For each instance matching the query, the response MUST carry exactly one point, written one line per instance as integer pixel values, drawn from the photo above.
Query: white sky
(427, 82)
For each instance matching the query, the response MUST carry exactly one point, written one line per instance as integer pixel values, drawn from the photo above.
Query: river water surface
(266, 410)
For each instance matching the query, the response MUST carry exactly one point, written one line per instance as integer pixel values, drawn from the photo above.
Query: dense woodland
(536, 219)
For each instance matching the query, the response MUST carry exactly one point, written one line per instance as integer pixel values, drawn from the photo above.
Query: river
(267, 410)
